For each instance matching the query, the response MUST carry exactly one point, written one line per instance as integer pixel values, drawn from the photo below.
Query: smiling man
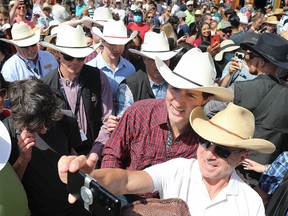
(210, 184)
(156, 130)
(28, 61)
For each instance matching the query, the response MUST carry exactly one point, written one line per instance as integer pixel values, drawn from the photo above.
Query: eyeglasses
(70, 58)
(226, 31)
(21, 7)
(3, 92)
(153, 8)
(27, 47)
(189, 5)
(149, 17)
(219, 151)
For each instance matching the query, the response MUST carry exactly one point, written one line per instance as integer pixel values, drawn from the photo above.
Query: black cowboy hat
(272, 48)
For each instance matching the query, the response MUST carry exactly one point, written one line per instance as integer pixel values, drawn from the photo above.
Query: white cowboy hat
(231, 127)
(114, 32)
(52, 23)
(70, 41)
(5, 27)
(195, 70)
(225, 46)
(155, 45)
(53, 34)
(5, 145)
(23, 35)
(102, 15)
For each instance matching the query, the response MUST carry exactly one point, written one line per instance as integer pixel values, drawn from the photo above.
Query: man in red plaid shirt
(156, 130)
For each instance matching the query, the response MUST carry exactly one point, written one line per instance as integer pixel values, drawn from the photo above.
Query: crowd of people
(153, 99)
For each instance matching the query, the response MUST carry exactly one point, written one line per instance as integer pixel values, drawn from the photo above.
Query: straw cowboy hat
(225, 46)
(102, 15)
(114, 32)
(278, 11)
(272, 48)
(70, 41)
(155, 45)
(232, 127)
(23, 35)
(272, 20)
(5, 145)
(196, 71)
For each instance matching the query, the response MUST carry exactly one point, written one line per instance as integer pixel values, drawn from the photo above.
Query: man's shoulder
(147, 106)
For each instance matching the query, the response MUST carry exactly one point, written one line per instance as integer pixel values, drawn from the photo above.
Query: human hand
(73, 164)
(26, 141)
(234, 66)
(213, 49)
(253, 165)
(112, 122)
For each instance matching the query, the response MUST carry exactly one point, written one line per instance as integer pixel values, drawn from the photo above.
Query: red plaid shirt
(139, 140)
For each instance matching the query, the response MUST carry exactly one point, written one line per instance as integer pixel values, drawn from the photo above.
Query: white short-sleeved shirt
(181, 178)
(18, 68)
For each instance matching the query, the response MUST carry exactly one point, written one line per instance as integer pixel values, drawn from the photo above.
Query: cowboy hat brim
(5, 145)
(219, 56)
(114, 40)
(34, 39)
(201, 125)
(75, 52)
(269, 58)
(162, 55)
(220, 93)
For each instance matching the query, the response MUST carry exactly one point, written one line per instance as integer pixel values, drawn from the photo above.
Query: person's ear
(244, 155)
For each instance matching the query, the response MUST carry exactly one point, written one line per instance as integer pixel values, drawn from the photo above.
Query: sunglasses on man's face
(219, 151)
(70, 58)
(3, 92)
(27, 47)
(226, 31)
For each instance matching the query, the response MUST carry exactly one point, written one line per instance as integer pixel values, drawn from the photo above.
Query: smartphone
(95, 198)
(214, 38)
(239, 56)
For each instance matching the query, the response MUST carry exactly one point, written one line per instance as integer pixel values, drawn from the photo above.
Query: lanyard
(35, 70)
(77, 107)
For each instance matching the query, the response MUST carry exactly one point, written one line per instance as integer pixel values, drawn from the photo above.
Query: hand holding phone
(95, 198)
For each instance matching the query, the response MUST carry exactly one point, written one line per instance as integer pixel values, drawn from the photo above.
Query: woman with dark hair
(5, 50)
(203, 34)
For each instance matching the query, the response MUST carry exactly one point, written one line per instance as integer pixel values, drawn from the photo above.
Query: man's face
(112, 51)
(180, 103)
(208, 19)
(70, 67)
(198, 18)
(190, 7)
(29, 52)
(152, 70)
(225, 33)
(213, 167)
(253, 65)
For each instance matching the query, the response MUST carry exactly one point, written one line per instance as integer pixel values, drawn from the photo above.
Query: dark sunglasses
(3, 92)
(149, 17)
(219, 151)
(189, 5)
(70, 58)
(27, 47)
(226, 30)
(21, 7)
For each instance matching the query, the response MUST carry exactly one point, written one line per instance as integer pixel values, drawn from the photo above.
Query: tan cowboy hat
(272, 20)
(278, 11)
(70, 41)
(155, 45)
(5, 145)
(102, 15)
(23, 35)
(195, 70)
(225, 46)
(114, 32)
(231, 127)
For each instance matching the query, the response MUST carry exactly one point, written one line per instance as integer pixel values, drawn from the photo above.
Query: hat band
(234, 134)
(116, 37)
(186, 79)
(24, 37)
(227, 46)
(73, 47)
(156, 51)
